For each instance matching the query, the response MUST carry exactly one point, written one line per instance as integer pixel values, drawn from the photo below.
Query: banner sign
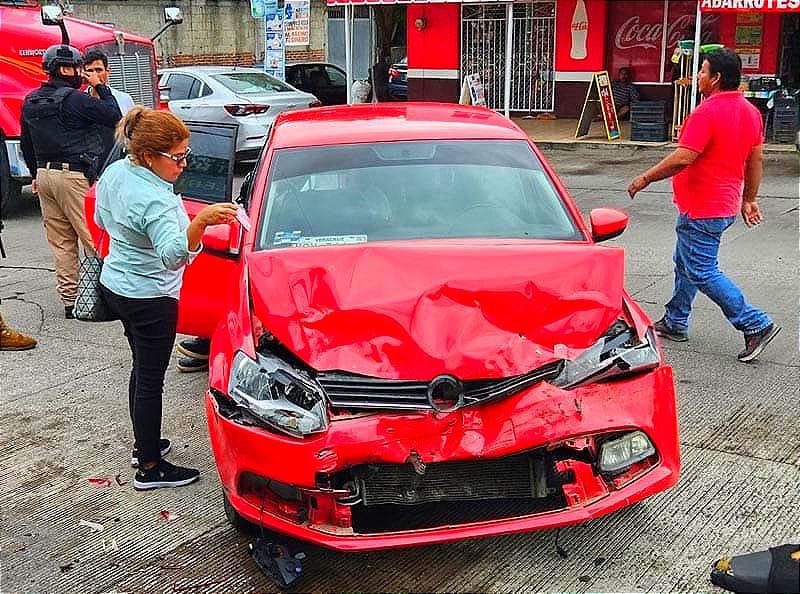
(749, 5)
(296, 22)
(599, 96)
(274, 50)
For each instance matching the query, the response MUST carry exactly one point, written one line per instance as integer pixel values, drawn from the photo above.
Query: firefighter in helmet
(61, 141)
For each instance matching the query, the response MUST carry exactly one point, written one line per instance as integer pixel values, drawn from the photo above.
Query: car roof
(209, 69)
(381, 122)
(295, 64)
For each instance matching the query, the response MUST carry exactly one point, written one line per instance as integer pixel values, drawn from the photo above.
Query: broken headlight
(620, 454)
(278, 394)
(618, 352)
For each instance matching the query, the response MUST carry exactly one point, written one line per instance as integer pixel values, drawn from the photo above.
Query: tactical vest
(52, 139)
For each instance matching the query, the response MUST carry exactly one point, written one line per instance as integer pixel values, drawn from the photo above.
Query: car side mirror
(52, 14)
(217, 238)
(607, 223)
(163, 94)
(172, 14)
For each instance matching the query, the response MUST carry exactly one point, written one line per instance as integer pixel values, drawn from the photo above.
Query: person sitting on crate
(624, 93)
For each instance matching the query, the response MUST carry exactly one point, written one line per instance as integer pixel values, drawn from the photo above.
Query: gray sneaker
(755, 343)
(662, 329)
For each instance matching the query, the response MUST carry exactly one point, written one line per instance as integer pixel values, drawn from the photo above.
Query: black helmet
(61, 55)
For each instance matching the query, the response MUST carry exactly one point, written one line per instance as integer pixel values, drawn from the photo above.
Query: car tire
(235, 519)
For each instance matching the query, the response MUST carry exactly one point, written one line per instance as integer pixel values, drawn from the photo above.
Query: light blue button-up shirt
(146, 223)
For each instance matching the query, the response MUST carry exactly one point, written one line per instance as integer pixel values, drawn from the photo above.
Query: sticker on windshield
(286, 238)
(330, 240)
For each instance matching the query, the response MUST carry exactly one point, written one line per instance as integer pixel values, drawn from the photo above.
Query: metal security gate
(484, 39)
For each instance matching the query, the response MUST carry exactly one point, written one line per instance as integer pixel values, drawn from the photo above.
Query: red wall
(596, 11)
(438, 44)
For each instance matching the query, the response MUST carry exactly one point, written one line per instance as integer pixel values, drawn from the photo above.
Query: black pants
(150, 329)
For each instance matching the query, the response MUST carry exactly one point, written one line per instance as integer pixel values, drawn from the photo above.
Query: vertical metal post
(509, 49)
(696, 56)
(664, 27)
(348, 50)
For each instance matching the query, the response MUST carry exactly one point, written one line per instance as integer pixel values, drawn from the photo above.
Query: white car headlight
(278, 394)
(620, 454)
(618, 352)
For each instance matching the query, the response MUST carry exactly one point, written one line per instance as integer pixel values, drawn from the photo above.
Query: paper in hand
(241, 216)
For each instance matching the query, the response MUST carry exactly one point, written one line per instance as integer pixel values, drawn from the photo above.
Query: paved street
(64, 420)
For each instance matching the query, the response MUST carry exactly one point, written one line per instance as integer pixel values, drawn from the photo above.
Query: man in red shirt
(717, 171)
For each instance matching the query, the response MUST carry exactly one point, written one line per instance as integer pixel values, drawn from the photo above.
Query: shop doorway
(484, 34)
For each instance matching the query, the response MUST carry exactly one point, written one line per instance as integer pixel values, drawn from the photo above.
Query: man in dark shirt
(624, 93)
(61, 141)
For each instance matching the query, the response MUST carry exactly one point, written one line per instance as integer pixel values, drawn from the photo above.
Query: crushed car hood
(414, 310)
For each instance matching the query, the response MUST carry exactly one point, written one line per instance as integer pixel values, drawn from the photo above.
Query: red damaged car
(419, 339)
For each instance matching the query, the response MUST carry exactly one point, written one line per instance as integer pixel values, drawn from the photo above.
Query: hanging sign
(749, 5)
(599, 97)
(296, 22)
(274, 50)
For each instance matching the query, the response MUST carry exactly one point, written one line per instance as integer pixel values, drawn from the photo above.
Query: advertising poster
(636, 35)
(296, 22)
(274, 50)
(257, 9)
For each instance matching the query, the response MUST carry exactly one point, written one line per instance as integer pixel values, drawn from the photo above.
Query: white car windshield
(411, 190)
(244, 83)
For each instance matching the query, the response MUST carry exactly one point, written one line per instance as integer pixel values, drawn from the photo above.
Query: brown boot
(11, 340)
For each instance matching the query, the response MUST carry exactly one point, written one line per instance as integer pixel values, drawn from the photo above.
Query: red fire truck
(27, 30)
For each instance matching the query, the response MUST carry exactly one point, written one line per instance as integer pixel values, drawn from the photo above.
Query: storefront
(539, 55)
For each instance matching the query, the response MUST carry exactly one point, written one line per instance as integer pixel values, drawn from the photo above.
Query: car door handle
(186, 107)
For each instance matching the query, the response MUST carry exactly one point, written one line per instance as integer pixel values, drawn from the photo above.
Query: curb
(589, 146)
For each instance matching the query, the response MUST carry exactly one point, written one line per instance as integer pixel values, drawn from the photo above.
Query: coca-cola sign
(637, 34)
(634, 33)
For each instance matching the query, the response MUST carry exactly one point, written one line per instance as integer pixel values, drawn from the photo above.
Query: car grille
(351, 391)
(133, 73)
(394, 497)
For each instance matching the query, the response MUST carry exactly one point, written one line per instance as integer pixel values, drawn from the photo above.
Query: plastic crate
(649, 132)
(650, 112)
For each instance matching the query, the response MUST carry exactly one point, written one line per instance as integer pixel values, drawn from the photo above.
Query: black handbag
(89, 303)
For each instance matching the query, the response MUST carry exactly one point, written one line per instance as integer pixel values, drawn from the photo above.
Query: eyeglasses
(177, 158)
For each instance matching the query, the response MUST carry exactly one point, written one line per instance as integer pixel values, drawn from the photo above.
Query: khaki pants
(61, 195)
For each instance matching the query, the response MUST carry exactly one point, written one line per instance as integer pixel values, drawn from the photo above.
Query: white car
(247, 97)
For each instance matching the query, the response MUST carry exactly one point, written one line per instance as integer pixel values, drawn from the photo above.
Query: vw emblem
(445, 393)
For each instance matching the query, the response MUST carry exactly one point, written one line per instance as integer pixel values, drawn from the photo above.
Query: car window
(180, 86)
(206, 91)
(244, 83)
(194, 91)
(208, 174)
(411, 190)
(336, 77)
(294, 76)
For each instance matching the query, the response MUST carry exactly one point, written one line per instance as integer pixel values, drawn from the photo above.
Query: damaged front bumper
(523, 463)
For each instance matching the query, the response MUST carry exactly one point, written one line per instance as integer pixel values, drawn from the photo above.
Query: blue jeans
(696, 268)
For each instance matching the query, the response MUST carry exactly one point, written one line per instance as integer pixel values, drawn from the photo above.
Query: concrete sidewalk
(560, 134)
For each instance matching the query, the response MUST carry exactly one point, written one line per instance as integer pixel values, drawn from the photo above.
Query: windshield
(247, 83)
(411, 190)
